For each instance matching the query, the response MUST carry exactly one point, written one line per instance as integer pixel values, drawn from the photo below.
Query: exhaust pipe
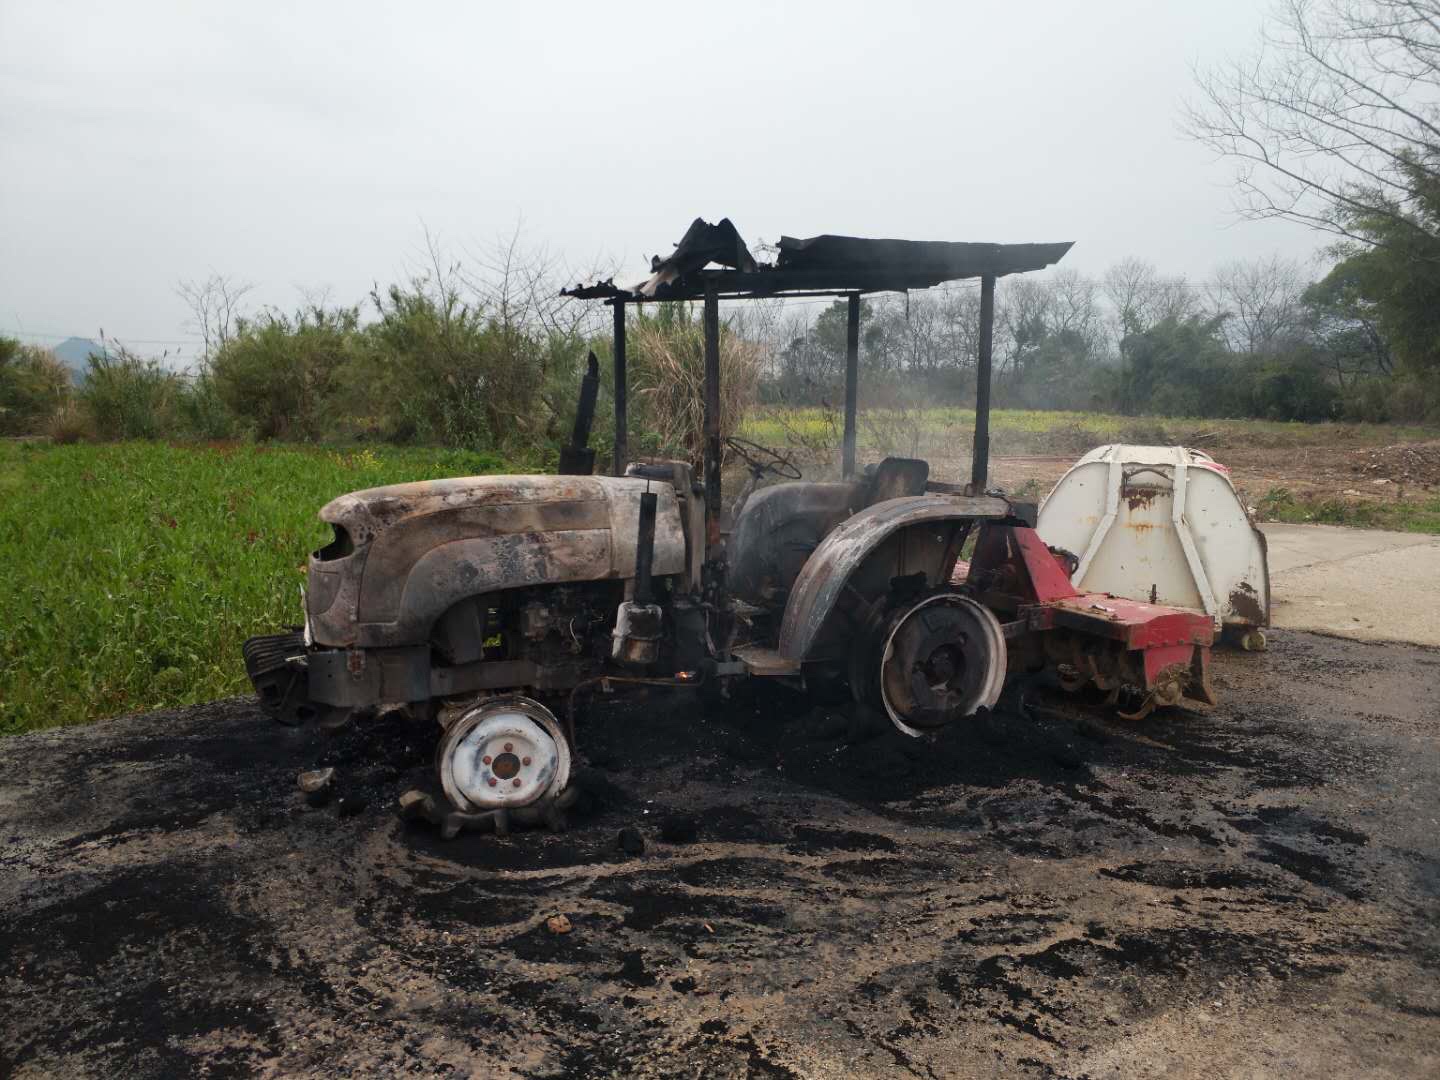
(636, 640)
(578, 459)
(645, 547)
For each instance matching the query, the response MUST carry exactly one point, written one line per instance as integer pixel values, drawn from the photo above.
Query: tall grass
(33, 386)
(130, 573)
(128, 397)
(670, 382)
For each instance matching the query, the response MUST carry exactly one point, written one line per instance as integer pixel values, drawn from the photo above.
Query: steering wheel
(762, 459)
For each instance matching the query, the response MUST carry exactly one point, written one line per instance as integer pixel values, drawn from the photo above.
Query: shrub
(69, 424)
(1415, 396)
(279, 376)
(127, 397)
(202, 413)
(1369, 400)
(444, 370)
(1291, 388)
(33, 385)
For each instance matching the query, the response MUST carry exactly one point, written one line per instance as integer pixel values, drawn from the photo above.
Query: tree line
(1333, 123)
(1258, 340)
(462, 357)
(487, 356)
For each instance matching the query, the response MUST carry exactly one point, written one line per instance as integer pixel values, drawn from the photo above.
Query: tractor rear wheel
(942, 659)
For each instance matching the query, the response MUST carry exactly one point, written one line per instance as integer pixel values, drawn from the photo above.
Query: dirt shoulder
(1251, 891)
(1365, 485)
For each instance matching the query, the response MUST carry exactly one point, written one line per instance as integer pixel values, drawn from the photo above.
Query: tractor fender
(859, 550)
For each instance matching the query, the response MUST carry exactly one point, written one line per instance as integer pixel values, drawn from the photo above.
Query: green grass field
(131, 573)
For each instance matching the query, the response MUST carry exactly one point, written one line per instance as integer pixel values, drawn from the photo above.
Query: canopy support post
(622, 449)
(980, 459)
(852, 379)
(712, 417)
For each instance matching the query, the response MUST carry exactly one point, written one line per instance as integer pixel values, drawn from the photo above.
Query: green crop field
(1015, 431)
(130, 573)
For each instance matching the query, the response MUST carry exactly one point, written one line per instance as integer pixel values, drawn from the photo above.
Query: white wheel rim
(505, 753)
(994, 681)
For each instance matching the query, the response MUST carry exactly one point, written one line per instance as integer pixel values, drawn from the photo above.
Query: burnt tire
(941, 660)
(505, 753)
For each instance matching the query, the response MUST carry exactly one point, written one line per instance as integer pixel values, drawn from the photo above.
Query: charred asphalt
(1248, 891)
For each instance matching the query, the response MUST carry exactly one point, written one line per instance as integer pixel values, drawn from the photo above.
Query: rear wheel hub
(942, 660)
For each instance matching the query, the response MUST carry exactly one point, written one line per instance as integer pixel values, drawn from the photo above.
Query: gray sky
(307, 145)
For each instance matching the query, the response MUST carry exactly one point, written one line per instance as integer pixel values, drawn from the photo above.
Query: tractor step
(759, 660)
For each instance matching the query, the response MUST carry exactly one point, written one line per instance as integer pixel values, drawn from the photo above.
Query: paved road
(1358, 583)
(1252, 891)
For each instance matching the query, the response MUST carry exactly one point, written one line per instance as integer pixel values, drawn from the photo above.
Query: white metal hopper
(1162, 524)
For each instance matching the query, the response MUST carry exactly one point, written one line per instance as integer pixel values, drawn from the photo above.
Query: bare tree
(1335, 120)
(960, 317)
(519, 286)
(1172, 298)
(215, 307)
(1140, 296)
(1023, 313)
(1260, 300)
(1074, 308)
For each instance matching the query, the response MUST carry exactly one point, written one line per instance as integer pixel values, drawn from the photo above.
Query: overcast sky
(306, 145)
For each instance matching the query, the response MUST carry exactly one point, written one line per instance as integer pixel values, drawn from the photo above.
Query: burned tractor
(495, 604)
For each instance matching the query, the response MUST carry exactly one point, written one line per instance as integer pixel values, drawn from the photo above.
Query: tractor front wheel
(504, 753)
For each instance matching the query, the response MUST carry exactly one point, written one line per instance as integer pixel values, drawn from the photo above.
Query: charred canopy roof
(821, 264)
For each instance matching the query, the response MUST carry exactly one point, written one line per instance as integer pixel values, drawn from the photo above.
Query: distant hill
(74, 353)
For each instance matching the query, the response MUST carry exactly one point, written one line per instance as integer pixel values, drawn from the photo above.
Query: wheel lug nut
(516, 781)
(509, 747)
(485, 760)
(524, 761)
(491, 781)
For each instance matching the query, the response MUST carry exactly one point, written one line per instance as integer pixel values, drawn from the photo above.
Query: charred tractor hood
(403, 554)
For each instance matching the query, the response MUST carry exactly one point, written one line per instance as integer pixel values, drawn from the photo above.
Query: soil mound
(1404, 463)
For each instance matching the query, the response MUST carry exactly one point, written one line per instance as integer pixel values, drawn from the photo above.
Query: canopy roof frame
(838, 266)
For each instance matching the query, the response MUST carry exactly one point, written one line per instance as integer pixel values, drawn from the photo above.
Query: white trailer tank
(1162, 524)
